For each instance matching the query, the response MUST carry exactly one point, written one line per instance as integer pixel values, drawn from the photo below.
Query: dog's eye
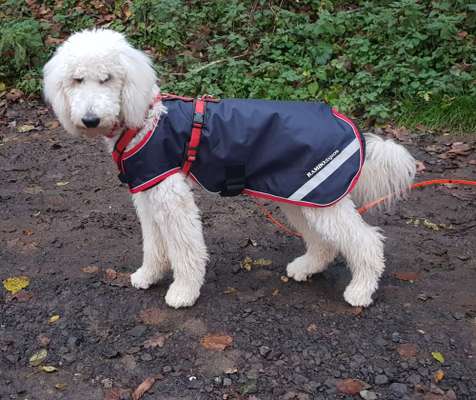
(107, 79)
(78, 80)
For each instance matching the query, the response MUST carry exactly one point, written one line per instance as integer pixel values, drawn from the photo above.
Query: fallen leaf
(14, 94)
(230, 290)
(247, 263)
(115, 278)
(27, 232)
(230, 371)
(312, 328)
(472, 162)
(284, 279)
(144, 387)
(460, 149)
(350, 386)
(262, 262)
(438, 356)
(16, 283)
(462, 34)
(60, 386)
(406, 276)
(152, 316)
(53, 124)
(439, 376)
(407, 350)
(37, 358)
(48, 368)
(275, 292)
(25, 128)
(216, 342)
(156, 341)
(2, 86)
(62, 183)
(90, 269)
(420, 166)
(53, 319)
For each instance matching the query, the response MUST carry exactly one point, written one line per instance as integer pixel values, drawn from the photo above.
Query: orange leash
(370, 205)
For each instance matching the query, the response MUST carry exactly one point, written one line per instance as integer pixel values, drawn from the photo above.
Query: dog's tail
(388, 169)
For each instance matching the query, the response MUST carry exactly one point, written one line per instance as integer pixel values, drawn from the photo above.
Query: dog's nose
(90, 121)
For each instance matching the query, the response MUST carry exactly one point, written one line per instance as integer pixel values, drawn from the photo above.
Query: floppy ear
(139, 83)
(54, 73)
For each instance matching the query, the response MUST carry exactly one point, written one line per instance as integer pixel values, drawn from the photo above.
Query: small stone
(368, 395)
(73, 342)
(381, 379)
(218, 380)
(107, 383)
(399, 388)
(249, 388)
(146, 357)
(227, 382)
(458, 316)
(395, 337)
(167, 369)
(264, 351)
(137, 331)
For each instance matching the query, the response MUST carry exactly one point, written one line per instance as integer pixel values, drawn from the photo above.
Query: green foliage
(368, 58)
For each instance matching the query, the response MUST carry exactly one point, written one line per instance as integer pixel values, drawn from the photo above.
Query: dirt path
(62, 209)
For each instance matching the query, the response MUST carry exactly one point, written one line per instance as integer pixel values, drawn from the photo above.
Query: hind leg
(359, 243)
(319, 253)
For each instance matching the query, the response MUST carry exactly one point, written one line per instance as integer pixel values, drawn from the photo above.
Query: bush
(372, 59)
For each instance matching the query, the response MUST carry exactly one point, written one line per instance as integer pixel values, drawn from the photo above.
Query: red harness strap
(121, 145)
(192, 147)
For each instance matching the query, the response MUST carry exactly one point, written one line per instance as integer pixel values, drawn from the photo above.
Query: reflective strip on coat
(303, 153)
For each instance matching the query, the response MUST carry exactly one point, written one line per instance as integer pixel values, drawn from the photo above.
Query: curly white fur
(97, 74)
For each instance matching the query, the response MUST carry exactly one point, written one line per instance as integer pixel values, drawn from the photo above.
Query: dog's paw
(180, 295)
(299, 269)
(357, 297)
(142, 278)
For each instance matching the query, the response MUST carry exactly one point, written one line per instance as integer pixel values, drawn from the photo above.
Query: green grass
(455, 115)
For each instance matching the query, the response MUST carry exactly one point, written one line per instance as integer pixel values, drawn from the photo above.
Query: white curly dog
(99, 86)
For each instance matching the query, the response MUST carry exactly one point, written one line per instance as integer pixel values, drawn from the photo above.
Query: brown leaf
(357, 311)
(350, 386)
(152, 316)
(144, 387)
(52, 41)
(115, 278)
(216, 342)
(14, 95)
(400, 134)
(460, 149)
(439, 376)
(406, 276)
(230, 290)
(156, 341)
(117, 394)
(407, 350)
(92, 269)
(53, 124)
(462, 34)
(312, 328)
(472, 162)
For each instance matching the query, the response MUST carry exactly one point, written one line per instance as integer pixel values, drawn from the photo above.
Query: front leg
(178, 219)
(155, 263)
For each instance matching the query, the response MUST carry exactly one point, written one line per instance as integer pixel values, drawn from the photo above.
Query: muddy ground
(62, 209)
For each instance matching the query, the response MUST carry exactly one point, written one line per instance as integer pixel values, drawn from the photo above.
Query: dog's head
(96, 80)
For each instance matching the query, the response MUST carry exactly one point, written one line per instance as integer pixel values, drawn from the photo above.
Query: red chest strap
(191, 149)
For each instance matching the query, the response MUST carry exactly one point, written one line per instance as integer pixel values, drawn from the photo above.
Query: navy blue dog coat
(302, 153)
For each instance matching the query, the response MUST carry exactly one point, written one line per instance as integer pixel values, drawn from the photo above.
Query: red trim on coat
(154, 181)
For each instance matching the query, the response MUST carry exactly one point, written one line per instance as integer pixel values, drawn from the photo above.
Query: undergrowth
(410, 61)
